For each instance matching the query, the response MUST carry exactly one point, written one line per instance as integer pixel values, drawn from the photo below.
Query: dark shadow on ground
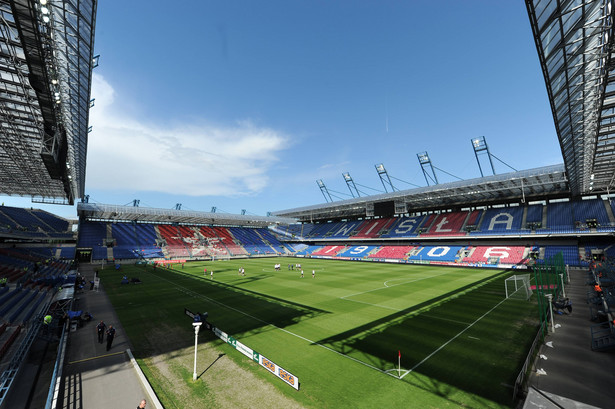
(450, 340)
(153, 315)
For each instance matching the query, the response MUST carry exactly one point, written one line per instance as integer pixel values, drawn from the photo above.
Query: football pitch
(341, 333)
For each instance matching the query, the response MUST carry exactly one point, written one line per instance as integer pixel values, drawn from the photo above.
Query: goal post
(518, 286)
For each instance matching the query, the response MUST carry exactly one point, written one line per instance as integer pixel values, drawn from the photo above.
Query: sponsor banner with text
(281, 373)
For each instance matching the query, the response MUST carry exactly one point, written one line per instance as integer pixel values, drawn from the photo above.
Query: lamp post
(197, 327)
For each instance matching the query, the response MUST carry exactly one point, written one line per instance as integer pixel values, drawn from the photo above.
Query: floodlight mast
(350, 183)
(324, 190)
(425, 162)
(384, 177)
(480, 145)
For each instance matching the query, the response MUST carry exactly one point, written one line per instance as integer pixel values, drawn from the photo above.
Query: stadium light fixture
(44, 10)
(46, 19)
(43, 2)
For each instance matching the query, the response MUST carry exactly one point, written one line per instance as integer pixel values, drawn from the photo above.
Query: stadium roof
(575, 45)
(92, 211)
(548, 182)
(46, 66)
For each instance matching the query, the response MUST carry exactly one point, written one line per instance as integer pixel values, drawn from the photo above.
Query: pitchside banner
(281, 373)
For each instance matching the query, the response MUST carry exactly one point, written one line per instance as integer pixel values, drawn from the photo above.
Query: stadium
(453, 294)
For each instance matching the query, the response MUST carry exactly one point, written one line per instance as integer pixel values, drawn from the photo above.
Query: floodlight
(592, 176)
(346, 176)
(380, 167)
(43, 2)
(320, 183)
(46, 19)
(44, 10)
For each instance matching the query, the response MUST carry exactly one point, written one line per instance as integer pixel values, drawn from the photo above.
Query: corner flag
(399, 363)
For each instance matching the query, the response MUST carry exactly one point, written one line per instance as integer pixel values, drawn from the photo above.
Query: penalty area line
(452, 339)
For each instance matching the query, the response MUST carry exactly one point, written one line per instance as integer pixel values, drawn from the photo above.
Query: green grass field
(462, 344)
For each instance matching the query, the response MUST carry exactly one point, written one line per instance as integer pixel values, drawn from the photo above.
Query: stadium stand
(560, 218)
(570, 253)
(435, 254)
(372, 228)
(404, 227)
(92, 235)
(175, 246)
(329, 251)
(357, 252)
(146, 239)
(392, 252)
(496, 255)
(501, 221)
(125, 246)
(220, 242)
(447, 224)
(343, 230)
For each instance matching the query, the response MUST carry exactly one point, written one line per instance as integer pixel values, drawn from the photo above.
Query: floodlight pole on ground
(197, 327)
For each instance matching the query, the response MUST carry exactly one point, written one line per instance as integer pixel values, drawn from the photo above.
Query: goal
(518, 286)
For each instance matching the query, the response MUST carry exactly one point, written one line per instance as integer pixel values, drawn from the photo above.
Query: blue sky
(245, 104)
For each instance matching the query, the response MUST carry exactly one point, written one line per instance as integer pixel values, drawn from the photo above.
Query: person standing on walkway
(110, 336)
(100, 328)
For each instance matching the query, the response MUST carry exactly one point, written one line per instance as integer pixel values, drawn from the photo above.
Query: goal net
(518, 286)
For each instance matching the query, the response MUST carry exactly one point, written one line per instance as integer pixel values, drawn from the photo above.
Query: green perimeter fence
(549, 278)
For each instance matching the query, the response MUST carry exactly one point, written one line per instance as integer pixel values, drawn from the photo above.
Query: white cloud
(197, 160)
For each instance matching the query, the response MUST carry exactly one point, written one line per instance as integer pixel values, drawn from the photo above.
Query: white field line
(452, 339)
(197, 295)
(434, 317)
(394, 285)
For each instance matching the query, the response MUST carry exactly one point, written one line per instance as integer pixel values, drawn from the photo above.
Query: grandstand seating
(447, 224)
(175, 245)
(404, 227)
(590, 209)
(392, 252)
(501, 221)
(92, 235)
(67, 252)
(570, 253)
(329, 251)
(251, 241)
(220, 242)
(357, 252)
(125, 241)
(534, 214)
(146, 239)
(372, 228)
(496, 255)
(343, 229)
(435, 253)
(560, 218)
(321, 231)
(474, 218)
